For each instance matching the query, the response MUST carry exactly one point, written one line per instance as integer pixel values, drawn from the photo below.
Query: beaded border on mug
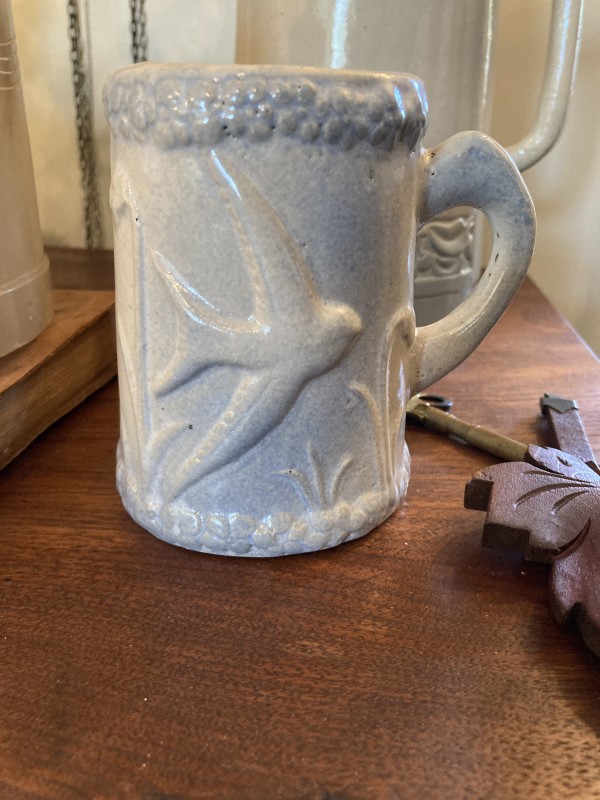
(198, 108)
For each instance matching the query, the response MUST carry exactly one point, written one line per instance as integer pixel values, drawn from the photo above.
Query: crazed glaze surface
(264, 278)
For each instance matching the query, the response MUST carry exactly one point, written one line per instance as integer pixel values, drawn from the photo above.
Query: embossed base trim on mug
(278, 534)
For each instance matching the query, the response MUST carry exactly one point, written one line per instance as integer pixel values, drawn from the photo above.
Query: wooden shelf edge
(50, 376)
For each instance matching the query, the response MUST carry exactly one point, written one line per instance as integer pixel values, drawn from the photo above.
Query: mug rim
(176, 104)
(189, 68)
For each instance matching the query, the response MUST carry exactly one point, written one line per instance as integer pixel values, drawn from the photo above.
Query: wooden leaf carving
(548, 508)
(538, 506)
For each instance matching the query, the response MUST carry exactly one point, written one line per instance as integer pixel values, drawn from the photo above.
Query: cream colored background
(565, 186)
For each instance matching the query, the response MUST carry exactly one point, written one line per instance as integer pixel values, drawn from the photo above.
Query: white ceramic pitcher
(449, 44)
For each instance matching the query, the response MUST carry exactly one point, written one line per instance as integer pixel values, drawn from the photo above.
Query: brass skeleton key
(431, 411)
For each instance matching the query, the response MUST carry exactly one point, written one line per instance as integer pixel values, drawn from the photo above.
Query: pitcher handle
(559, 71)
(470, 169)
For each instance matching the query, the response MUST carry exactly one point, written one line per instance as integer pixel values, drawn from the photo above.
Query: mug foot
(276, 534)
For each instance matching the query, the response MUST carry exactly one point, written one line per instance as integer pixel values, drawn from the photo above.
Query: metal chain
(85, 138)
(137, 26)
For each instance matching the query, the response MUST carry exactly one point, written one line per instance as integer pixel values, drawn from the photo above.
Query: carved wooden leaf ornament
(548, 508)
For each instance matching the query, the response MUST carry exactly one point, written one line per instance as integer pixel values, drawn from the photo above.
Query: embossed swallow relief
(292, 336)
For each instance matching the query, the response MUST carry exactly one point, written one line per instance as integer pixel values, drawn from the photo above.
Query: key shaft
(502, 446)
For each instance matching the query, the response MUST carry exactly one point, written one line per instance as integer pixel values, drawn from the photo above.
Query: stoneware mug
(265, 224)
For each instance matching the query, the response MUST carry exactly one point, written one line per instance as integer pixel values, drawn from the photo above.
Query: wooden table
(410, 664)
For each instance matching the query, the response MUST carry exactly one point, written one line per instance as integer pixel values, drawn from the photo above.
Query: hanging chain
(137, 26)
(85, 138)
(83, 109)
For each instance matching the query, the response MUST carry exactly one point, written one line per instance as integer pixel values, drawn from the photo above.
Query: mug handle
(471, 169)
(559, 71)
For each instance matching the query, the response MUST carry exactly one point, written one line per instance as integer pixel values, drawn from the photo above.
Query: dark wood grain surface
(410, 664)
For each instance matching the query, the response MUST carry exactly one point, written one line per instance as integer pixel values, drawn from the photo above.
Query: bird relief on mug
(241, 362)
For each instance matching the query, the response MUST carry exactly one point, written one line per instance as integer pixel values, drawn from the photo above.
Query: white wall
(565, 186)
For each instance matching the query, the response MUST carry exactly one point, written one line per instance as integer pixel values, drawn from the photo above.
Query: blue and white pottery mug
(265, 224)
